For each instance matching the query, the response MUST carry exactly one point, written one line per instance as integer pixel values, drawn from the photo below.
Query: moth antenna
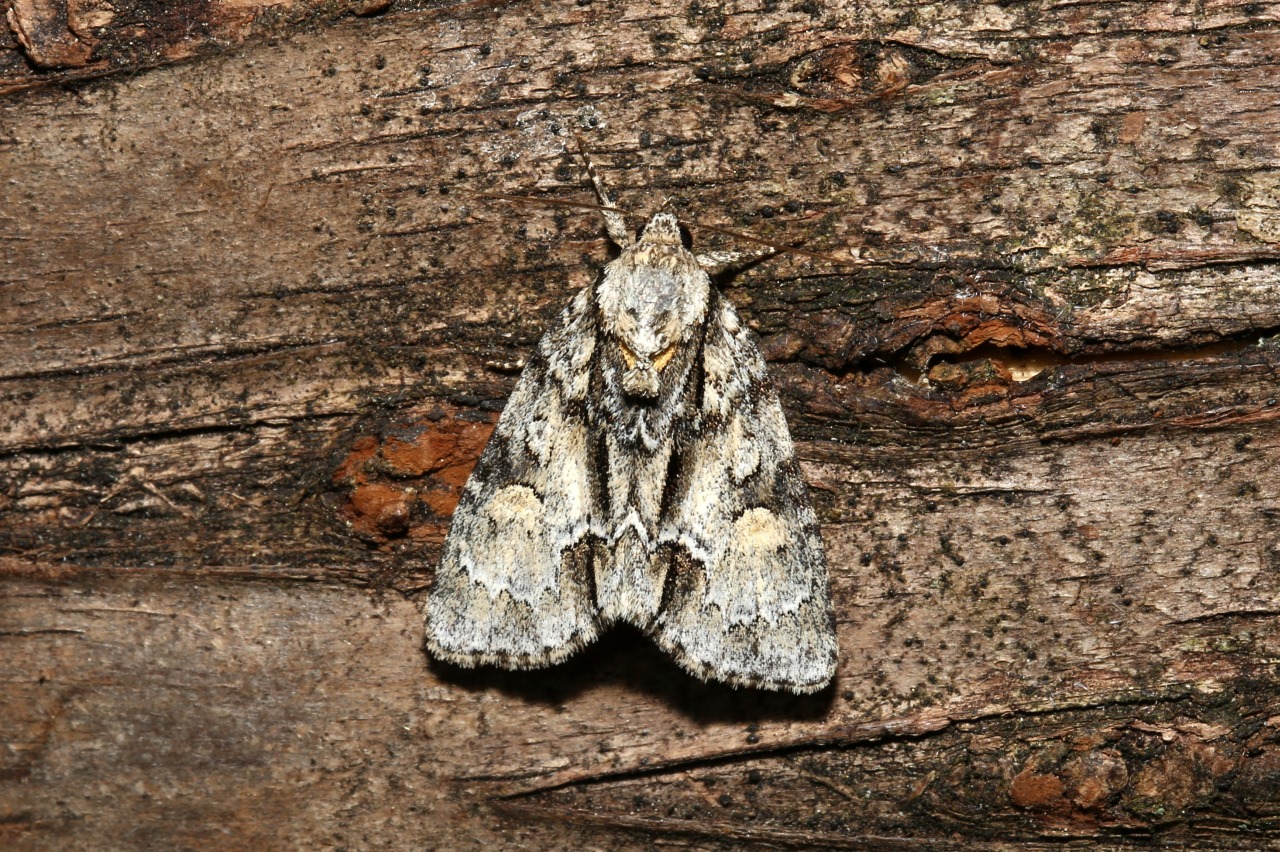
(546, 202)
(715, 262)
(610, 213)
(774, 248)
(614, 222)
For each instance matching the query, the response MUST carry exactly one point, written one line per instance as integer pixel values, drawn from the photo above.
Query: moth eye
(628, 357)
(664, 357)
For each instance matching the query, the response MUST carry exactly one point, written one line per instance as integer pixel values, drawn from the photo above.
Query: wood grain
(255, 322)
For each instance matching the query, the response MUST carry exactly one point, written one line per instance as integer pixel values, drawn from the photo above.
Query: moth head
(663, 230)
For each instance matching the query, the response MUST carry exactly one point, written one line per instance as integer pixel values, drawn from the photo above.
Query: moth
(641, 472)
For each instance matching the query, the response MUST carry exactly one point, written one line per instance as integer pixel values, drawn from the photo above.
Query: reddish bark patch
(380, 509)
(406, 480)
(1094, 777)
(1030, 789)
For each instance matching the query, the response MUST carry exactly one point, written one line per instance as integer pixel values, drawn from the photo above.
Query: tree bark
(257, 323)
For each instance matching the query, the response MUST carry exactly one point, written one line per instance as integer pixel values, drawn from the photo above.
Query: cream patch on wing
(516, 518)
(751, 582)
(759, 531)
(515, 504)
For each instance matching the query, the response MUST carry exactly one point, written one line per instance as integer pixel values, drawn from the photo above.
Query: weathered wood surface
(253, 331)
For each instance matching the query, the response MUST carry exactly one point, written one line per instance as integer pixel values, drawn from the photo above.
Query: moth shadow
(625, 658)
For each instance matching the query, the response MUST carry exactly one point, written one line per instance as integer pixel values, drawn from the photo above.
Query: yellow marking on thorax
(660, 361)
(628, 357)
(664, 357)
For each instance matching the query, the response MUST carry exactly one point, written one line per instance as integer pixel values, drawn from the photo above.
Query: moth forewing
(752, 606)
(512, 588)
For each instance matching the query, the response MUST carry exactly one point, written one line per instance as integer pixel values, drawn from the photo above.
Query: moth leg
(715, 262)
(614, 222)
